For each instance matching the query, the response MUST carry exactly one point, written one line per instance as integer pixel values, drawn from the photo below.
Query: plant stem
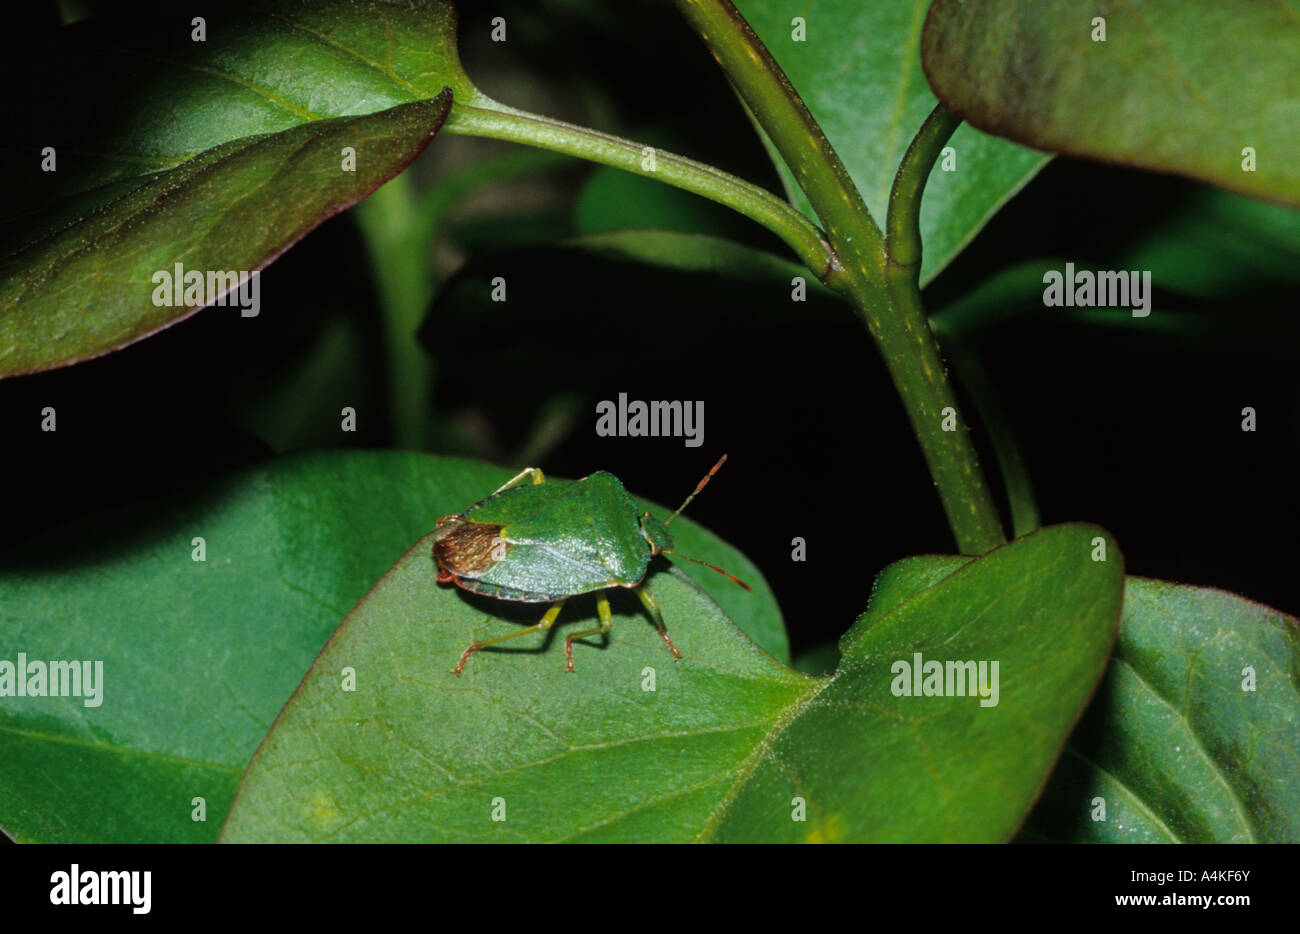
(903, 226)
(405, 287)
(886, 296)
(913, 357)
(507, 123)
(903, 253)
(785, 118)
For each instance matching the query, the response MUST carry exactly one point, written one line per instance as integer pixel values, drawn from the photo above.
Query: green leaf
(859, 72)
(1175, 746)
(199, 657)
(1174, 743)
(217, 154)
(232, 208)
(1221, 246)
(722, 745)
(1176, 87)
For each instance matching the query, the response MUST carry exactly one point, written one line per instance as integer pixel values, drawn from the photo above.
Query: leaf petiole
(518, 126)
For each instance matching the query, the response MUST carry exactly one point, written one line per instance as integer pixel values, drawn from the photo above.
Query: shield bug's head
(661, 540)
(656, 533)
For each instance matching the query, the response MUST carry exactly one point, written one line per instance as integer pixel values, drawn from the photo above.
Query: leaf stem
(903, 225)
(886, 296)
(787, 121)
(507, 123)
(912, 355)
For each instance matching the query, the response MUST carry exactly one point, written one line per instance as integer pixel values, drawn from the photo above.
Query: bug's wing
(540, 568)
(520, 503)
(594, 525)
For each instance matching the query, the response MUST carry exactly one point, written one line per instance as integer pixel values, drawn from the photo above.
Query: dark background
(1132, 431)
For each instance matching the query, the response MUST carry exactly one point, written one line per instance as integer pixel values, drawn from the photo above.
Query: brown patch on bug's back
(469, 549)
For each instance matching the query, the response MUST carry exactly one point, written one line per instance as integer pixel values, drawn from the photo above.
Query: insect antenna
(699, 486)
(728, 574)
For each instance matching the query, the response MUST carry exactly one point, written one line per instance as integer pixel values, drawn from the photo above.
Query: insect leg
(547, 621)
(653, 606)
(532, 472)
(606, 620)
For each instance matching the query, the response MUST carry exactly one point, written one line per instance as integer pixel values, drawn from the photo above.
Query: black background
(314, 883)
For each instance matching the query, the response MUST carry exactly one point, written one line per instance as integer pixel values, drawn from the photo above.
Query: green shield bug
(546, 541)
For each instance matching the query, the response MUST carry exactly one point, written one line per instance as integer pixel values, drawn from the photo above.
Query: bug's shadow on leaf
(579, 613)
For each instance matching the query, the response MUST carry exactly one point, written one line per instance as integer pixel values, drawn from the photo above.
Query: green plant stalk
(903, 225)
(405, 286)
(897, 322)
(507, 123)
(886, 295)
(781, 112)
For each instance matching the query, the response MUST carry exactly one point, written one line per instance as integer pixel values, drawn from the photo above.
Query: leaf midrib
(1198, 748)
(746, 769)
(386, 71)
(1128, 792)
(120, 750)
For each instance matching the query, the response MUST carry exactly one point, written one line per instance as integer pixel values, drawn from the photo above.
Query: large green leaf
(859, 71)
(1183, 743)
(198, 657)
(1176, 86)
(1221, 245)
(722, 746)
(1172, 742)
(217, 154)
(89, 289)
